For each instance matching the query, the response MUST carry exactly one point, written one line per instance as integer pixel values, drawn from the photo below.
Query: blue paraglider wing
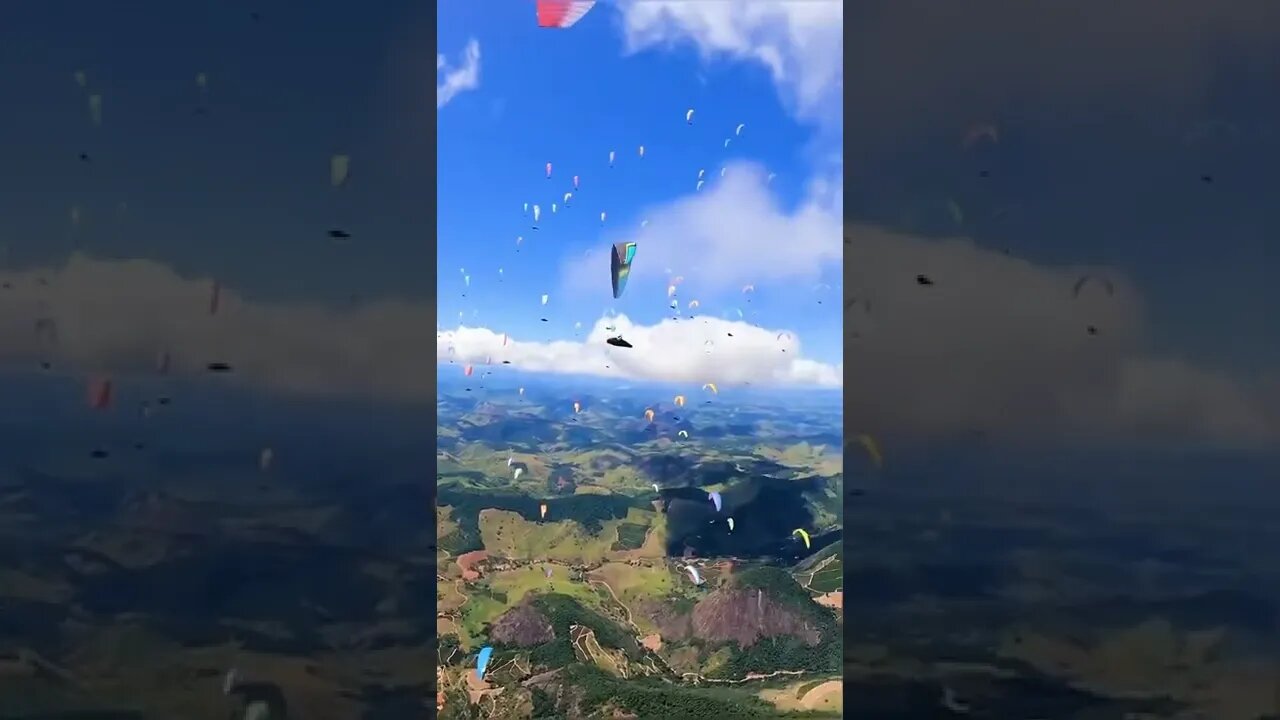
(482, 661)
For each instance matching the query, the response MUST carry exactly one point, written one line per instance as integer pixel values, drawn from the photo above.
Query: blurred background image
(1061, 219)
(214, 477)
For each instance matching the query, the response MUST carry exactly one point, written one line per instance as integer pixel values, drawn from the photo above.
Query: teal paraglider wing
(620, 266)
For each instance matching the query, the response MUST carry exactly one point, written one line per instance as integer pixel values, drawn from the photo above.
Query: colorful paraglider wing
(562, 13)
(482, 661)
(620, 266)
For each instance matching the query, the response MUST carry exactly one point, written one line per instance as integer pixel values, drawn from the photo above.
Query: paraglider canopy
(620, 266)
(562, 13)
(482, 661)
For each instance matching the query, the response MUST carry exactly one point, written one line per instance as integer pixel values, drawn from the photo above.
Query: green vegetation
(563, 611)
(630, 536)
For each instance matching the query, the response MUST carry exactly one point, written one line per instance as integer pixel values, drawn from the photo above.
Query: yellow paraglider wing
(873, 449)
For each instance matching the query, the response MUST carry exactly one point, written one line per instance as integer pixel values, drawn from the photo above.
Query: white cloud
(452, 81)
(695, 350)
(1000, 345)
(116, 316)
(800, 43)
(730, 234)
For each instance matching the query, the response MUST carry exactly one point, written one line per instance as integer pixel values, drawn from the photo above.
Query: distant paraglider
(339, 170)
(482, 661)
(800, 533)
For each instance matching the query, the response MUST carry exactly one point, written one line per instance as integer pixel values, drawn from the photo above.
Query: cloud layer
(1001, 345)
(118, 316)
(452, 81)
(800, 43)
(996, 344)
(695, 350)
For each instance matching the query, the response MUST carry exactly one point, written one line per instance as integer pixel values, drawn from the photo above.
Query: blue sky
(569, 97)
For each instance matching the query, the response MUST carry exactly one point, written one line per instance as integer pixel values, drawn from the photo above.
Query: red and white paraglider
(562, 13)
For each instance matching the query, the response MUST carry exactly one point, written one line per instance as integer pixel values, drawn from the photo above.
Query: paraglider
(339, 169)
(714, 497)
(802, 535)
(577, 407)
(730, 524)
(699, 185)
(537, 213)
(620, 266)
(602, 216)
(542, 510)
(562, 13)
(679, 400)
(648, 415)
(738, 130)
(612, 155)
(641, 151)
(95, 109)
(548, 171)
(688, 116)
(553, 208)
(872, 448)
(575, 183)
(482, 661)
(545, 298)
(693, 573)
(468, 370)
(978, 132)
(99, 392)
(516, 475)
(683, 434)
(1084, 280)
(566, 198)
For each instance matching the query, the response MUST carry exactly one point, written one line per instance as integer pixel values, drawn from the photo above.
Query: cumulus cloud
(452, 81)
(695, 350)
(117, 316)
(732, 233)
(1000, 345)
(800, 43)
